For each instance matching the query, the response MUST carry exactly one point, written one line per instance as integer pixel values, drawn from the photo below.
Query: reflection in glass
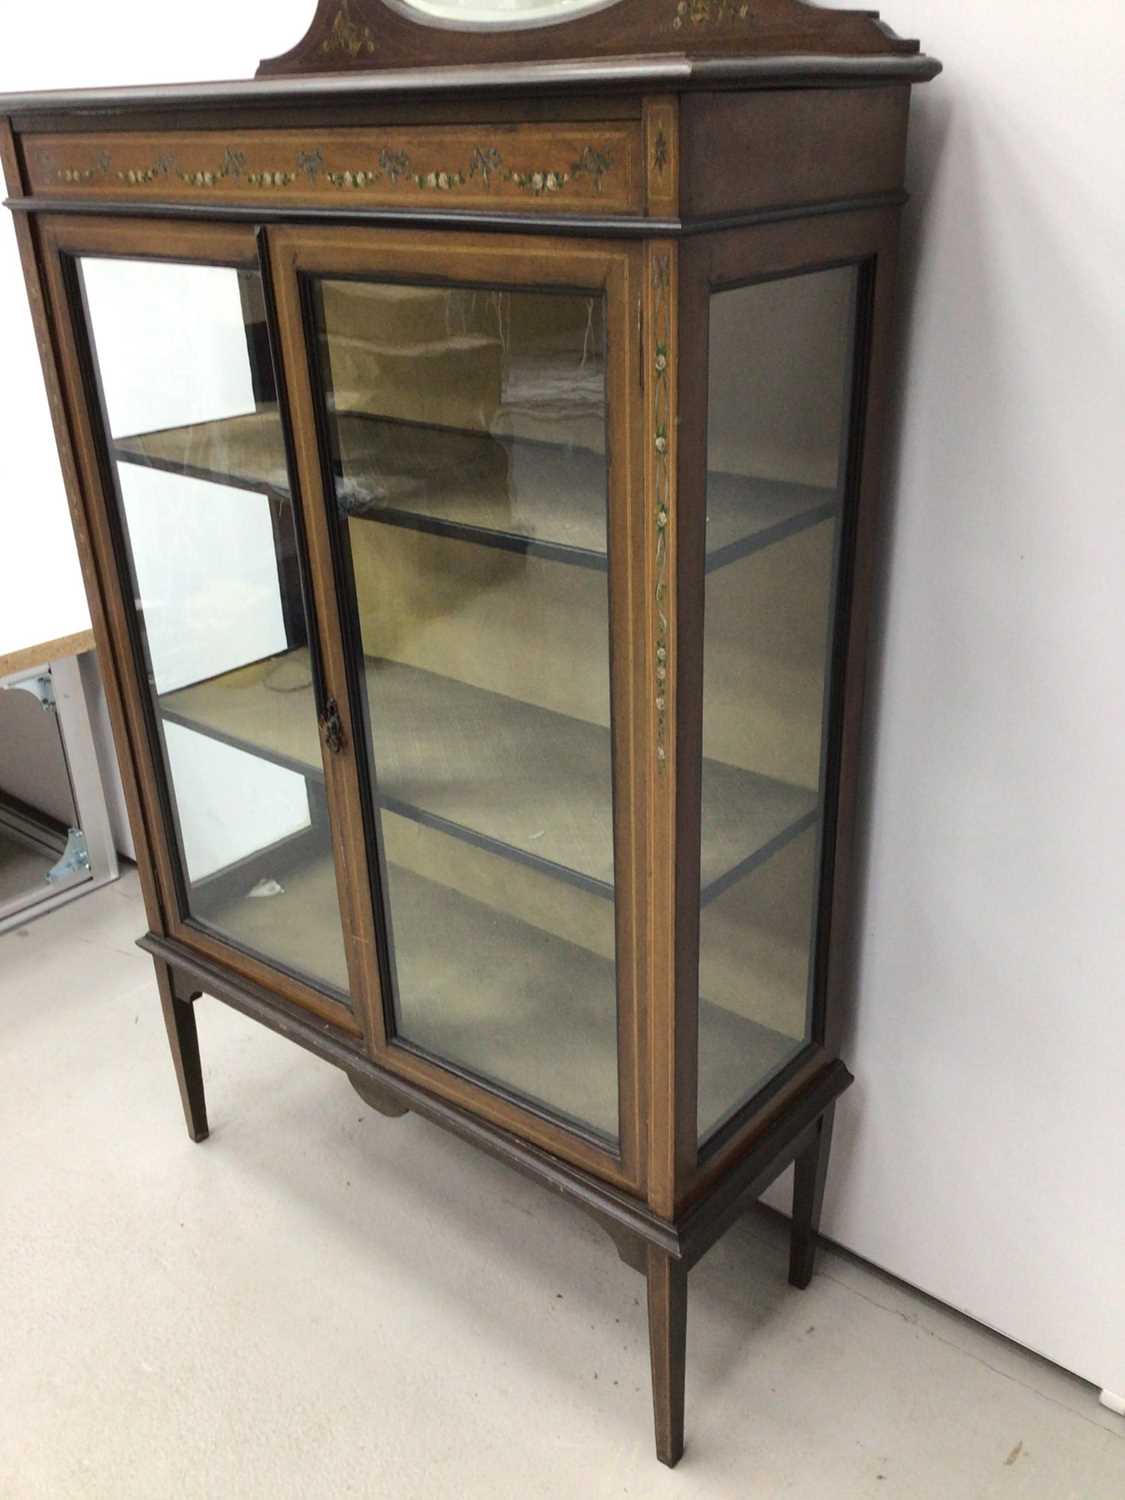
(467, 443)
(777, 433)
(184, 367)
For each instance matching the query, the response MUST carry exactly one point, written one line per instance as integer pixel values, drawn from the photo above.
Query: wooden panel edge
(54, 650)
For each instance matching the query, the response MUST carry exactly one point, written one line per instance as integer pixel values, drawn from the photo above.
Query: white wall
(980, 1153)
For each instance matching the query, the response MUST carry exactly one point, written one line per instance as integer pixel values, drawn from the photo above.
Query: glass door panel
(465, 429)
(781, 357)
(195, 444)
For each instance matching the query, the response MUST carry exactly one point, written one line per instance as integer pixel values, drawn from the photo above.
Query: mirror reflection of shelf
(522, 495)
(543, 1019)
(524, 781)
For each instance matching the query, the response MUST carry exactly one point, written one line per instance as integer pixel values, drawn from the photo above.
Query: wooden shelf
(509, 1003)
(533, 497)
(523, 781)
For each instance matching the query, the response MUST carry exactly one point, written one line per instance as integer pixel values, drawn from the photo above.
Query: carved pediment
(379, 34)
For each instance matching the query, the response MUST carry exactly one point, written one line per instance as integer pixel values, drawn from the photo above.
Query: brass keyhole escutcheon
(331, 727)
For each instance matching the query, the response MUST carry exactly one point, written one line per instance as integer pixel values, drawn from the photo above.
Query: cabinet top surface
(356, 50)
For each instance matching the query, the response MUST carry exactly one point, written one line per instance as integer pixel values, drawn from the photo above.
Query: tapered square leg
(811, 1172)
(667, 1336)
(179, 1020)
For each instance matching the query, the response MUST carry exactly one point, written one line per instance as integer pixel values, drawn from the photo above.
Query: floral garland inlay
(485, 164)
(709, 12)
(348, 35)
(662, 487)
(394, 164)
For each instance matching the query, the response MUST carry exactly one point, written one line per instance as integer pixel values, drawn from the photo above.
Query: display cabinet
(472, 431)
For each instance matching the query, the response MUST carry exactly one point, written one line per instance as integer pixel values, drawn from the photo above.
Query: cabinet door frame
(64, 241)
(526, 263)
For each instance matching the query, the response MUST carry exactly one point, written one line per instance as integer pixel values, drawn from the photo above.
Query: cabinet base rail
(661, 1250)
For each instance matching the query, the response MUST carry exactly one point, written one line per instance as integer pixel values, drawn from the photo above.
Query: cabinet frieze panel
(595, 168)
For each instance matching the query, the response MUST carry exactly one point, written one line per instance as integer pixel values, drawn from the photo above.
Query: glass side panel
(183, 360)
(466, 431)
(780, 370)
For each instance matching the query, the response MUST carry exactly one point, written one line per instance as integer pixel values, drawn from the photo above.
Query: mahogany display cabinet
(472, 430)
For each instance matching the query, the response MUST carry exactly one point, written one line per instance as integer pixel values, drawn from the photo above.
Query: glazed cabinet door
(466, 410)
(164, 334)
